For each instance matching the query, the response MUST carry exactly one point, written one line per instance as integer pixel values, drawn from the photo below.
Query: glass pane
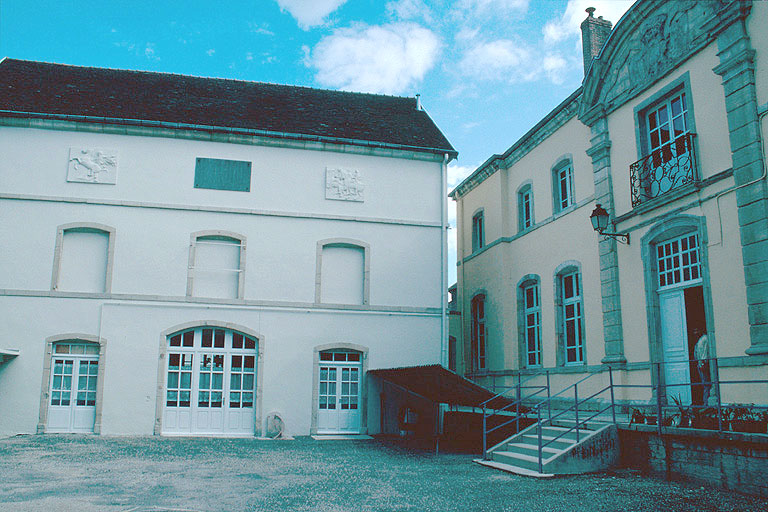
(77, 349)
(64, 398)
(93, 368)
(81, 398)
(57, 382)
(184, 399)
(82, 382)
(216, 398)
(173, 361)
(92, 384)
(339, 356)
(218, 342)
(92, 349)
(234, 381)
(249, 362)
(353, 357)
(218, 379)
(247, 400)
(67, 383)
(186, 380)
(248, 381)
(176, 340)
(171, 398)
(207, 338)
(237, 340)
(58, 366)
(173, 380)
(237, 362)
(189, 339)
(250, 343)
(205, 380)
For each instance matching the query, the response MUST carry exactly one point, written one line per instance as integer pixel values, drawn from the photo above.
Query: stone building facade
(666, 135)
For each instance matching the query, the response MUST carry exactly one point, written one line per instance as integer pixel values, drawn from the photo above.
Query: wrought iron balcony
(671, 166)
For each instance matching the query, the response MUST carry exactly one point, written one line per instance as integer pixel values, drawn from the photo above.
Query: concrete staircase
(596, 449)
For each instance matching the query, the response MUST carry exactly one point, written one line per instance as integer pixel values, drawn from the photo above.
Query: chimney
(418, 102)
(594, 33)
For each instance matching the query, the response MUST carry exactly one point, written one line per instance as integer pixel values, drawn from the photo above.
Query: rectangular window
(667, 125)
(216, 174)
(478, 333)
(478, 234)
(526, 209)
(216, 267)
(572, 319)
(532, 316)
(678, 261)
(564, 184)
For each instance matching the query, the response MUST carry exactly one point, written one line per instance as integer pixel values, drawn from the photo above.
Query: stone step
(561, 443)
(520, 460)
(530, 449)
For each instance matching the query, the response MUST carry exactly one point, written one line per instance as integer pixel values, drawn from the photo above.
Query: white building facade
(221, 253)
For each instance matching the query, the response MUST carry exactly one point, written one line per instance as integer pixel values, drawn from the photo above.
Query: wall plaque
(343, 185)
(92, 166)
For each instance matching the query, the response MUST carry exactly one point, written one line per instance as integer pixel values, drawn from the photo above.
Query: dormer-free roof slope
(45, 89)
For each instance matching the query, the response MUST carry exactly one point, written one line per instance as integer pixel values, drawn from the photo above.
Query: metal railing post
(517, 404)
(658, 397)
(485, 445)
(613, 400)
(538, 422)
(549, 401)
(719, 400)
(576, 403)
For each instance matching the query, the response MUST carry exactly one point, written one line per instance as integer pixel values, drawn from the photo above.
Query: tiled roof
(63, 90)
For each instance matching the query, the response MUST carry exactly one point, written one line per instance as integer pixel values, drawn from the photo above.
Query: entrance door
(74, 370)
(339, 392)
(674, 338)
(210, 383)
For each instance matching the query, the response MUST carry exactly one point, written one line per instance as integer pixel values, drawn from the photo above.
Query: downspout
(444, 261)
(762, 111)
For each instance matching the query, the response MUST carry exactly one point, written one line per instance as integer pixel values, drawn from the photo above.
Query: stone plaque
(92, 166)
(343, 185)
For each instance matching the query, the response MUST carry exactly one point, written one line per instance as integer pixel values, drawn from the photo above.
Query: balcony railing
(671, 166)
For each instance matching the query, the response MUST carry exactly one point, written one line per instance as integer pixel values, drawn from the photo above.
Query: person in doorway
(701, 354)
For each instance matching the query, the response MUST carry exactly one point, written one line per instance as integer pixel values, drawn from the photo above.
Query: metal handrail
(499, 395)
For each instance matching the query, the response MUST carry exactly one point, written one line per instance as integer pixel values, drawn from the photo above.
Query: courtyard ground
(98, 473)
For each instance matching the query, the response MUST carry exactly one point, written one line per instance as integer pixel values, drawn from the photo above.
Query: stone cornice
(552, 122)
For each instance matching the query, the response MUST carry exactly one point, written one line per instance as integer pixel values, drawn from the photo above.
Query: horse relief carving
(92, 166)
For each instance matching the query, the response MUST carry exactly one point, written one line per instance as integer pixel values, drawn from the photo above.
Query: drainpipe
(444, 261)
(762, 111)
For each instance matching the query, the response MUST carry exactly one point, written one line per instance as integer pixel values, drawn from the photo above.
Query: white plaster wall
(133, 333)
(161, 170)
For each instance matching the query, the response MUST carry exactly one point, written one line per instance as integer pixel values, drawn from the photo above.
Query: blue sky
(487, 70)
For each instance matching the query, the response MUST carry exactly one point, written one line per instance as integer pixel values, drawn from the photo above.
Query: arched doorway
(72, 387)
(339, 391)
(210, 382)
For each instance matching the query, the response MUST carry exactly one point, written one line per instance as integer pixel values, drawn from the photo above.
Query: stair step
(532, 447)
(562, 442)
(519, 459)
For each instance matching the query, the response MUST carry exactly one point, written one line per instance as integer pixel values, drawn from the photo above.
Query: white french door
(210, 383)
(339, 392)
(72, 402)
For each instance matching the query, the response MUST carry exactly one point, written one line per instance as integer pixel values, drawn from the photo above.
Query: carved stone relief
(92, 166)
(343, 185)
(658, 44)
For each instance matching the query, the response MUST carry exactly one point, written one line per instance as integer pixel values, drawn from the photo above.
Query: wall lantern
(599, 220)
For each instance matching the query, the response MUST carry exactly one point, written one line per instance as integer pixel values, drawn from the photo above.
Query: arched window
(210, 381)
(562, 185)
(479, 333)
(216, 265)
(343, 271)
(83, 258)
(525, 207)
(529, 321)
(569, 304)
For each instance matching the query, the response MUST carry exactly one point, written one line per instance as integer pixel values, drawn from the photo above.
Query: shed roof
(62, 91)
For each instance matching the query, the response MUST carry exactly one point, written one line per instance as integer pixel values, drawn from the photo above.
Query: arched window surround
(562, 270)
(42, 423)
(193, 238)
(162, 365)
(343, 242)
(525, 282)
(316, 380)
(663, 230)
(478, 332)
(92, 227)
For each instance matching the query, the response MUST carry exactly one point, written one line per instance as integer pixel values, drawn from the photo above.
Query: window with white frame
(572, 315)
(83, 258)
(678, 261)
(562, 177)
(217, 265)
(479, 333)
(667, 125)
(478, 231)
(532, 324)
(525, 208)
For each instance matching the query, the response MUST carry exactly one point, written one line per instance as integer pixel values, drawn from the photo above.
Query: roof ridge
(238, 80)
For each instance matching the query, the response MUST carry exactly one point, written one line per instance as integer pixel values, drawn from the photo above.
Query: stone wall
(733, 461)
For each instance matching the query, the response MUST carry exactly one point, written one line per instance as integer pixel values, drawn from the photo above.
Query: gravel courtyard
(90, 473)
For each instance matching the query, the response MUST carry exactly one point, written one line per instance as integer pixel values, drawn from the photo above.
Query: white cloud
(210, 52)
(386, 59)
(501, 58)
(410, 10)
(481, 6)
(149, 51)
(569, 23)
(309, 13)
(457, 173)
